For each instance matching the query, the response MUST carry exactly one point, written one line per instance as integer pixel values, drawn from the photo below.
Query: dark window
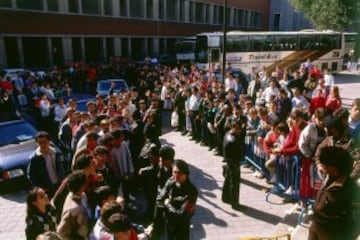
(216, 15)
(241, 15)
(330, 42)
(73, 6)
(182, 10)
(109, 47)
(192, 11)
(261, 43)
(150, 47)
(309, 42)
(76, 46)
(221, 15)
(35, 46)
(207, 13)
(201, 49)
(137, 48)
(123, 8)
(170, 42)
(161, 9)
(150, 9)
(33, 5)
(171, 10)
(161, 45)
(228, 16)
(199, 12)
(137, 8)
(53, 5)
(285, 42)
(90, 6)
(57, 50)
(276, 22)
(334, 66)
(237, 43)
(5, 3)
(93, 49)
(124, 47)
(108, 7)
(12, 52)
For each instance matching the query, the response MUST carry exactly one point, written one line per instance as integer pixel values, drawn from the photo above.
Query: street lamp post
(224, 45)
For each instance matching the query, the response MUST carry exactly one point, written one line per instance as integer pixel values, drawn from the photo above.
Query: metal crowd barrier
(288, 173)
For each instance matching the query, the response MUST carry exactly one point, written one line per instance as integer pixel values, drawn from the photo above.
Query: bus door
(214, 56)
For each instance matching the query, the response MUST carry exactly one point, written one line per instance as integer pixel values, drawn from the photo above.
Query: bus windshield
(201, 50)
(185, 46)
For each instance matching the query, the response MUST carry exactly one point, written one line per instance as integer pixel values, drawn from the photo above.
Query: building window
(123, 8)
(221, 15)
(276, 22)
(240, 17)
(246, 18)
(182, 11)
(73, 6)
(93, 49)
(137, 8)
(216, 15)
(171, 10)
(229, 20)
(150, 9)
(53, 5)
(5, 3)
(32, 5)
(12, 52)
(207, 13)
(258, 20)
(109, 47)
(124, 47)
(108, 7)
(199, 12)
(90, 6)
(150, 47)
(161, 9)
(192, 12)
(137, 48)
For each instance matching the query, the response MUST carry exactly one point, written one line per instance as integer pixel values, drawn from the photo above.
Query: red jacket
(317, 102)
(269, 141)
(291, 146)
(6, 86)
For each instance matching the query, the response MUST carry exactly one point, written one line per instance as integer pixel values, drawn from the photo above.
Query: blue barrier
(288, 173)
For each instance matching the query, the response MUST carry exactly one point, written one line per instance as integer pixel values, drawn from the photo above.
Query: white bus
(246, 50)
(185, 50)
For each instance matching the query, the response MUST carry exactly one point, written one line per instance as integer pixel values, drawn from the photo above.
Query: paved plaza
(213, 219)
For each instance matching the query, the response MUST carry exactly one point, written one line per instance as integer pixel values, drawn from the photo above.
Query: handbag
(174, 119)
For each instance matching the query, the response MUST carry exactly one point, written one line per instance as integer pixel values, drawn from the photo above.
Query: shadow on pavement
(204, 216)
(262, 216)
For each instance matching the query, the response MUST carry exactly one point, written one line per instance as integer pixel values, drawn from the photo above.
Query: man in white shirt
(329, 80)
(270, 91)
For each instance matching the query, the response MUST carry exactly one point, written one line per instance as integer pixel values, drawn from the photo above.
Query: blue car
(103, 86)
(17, 142)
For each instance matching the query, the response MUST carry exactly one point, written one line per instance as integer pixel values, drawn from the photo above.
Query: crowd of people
(113, 150)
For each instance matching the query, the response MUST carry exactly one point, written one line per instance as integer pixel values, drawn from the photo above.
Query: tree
(329, 14)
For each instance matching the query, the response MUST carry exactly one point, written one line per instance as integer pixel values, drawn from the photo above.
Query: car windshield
(104, 86)
(16, 132)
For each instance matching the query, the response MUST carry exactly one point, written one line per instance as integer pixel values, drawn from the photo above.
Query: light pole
(224, 45)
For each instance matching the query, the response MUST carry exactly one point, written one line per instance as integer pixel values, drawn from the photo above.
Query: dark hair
(89, 123)
(283, 128)
(117, 133)
(102, 193)
(83, 161)
(76, 180)
(42, 134)
(31, 209)
(320, 113)
(108, 209)
(92, 134)
(117, 222)
(100, 150)
(182, 166)
(296, 113)
(167, 153)
(337, 157)
(106, 139)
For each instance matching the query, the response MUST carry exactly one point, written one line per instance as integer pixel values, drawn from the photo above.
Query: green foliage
(329, 14)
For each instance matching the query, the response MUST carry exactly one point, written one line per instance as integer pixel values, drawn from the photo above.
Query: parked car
(104, 86)
(17, 142)
(13, 73)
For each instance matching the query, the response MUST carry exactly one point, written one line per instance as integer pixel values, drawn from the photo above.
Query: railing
(289, 174)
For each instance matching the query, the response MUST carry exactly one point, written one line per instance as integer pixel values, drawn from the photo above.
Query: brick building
(47, 32)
